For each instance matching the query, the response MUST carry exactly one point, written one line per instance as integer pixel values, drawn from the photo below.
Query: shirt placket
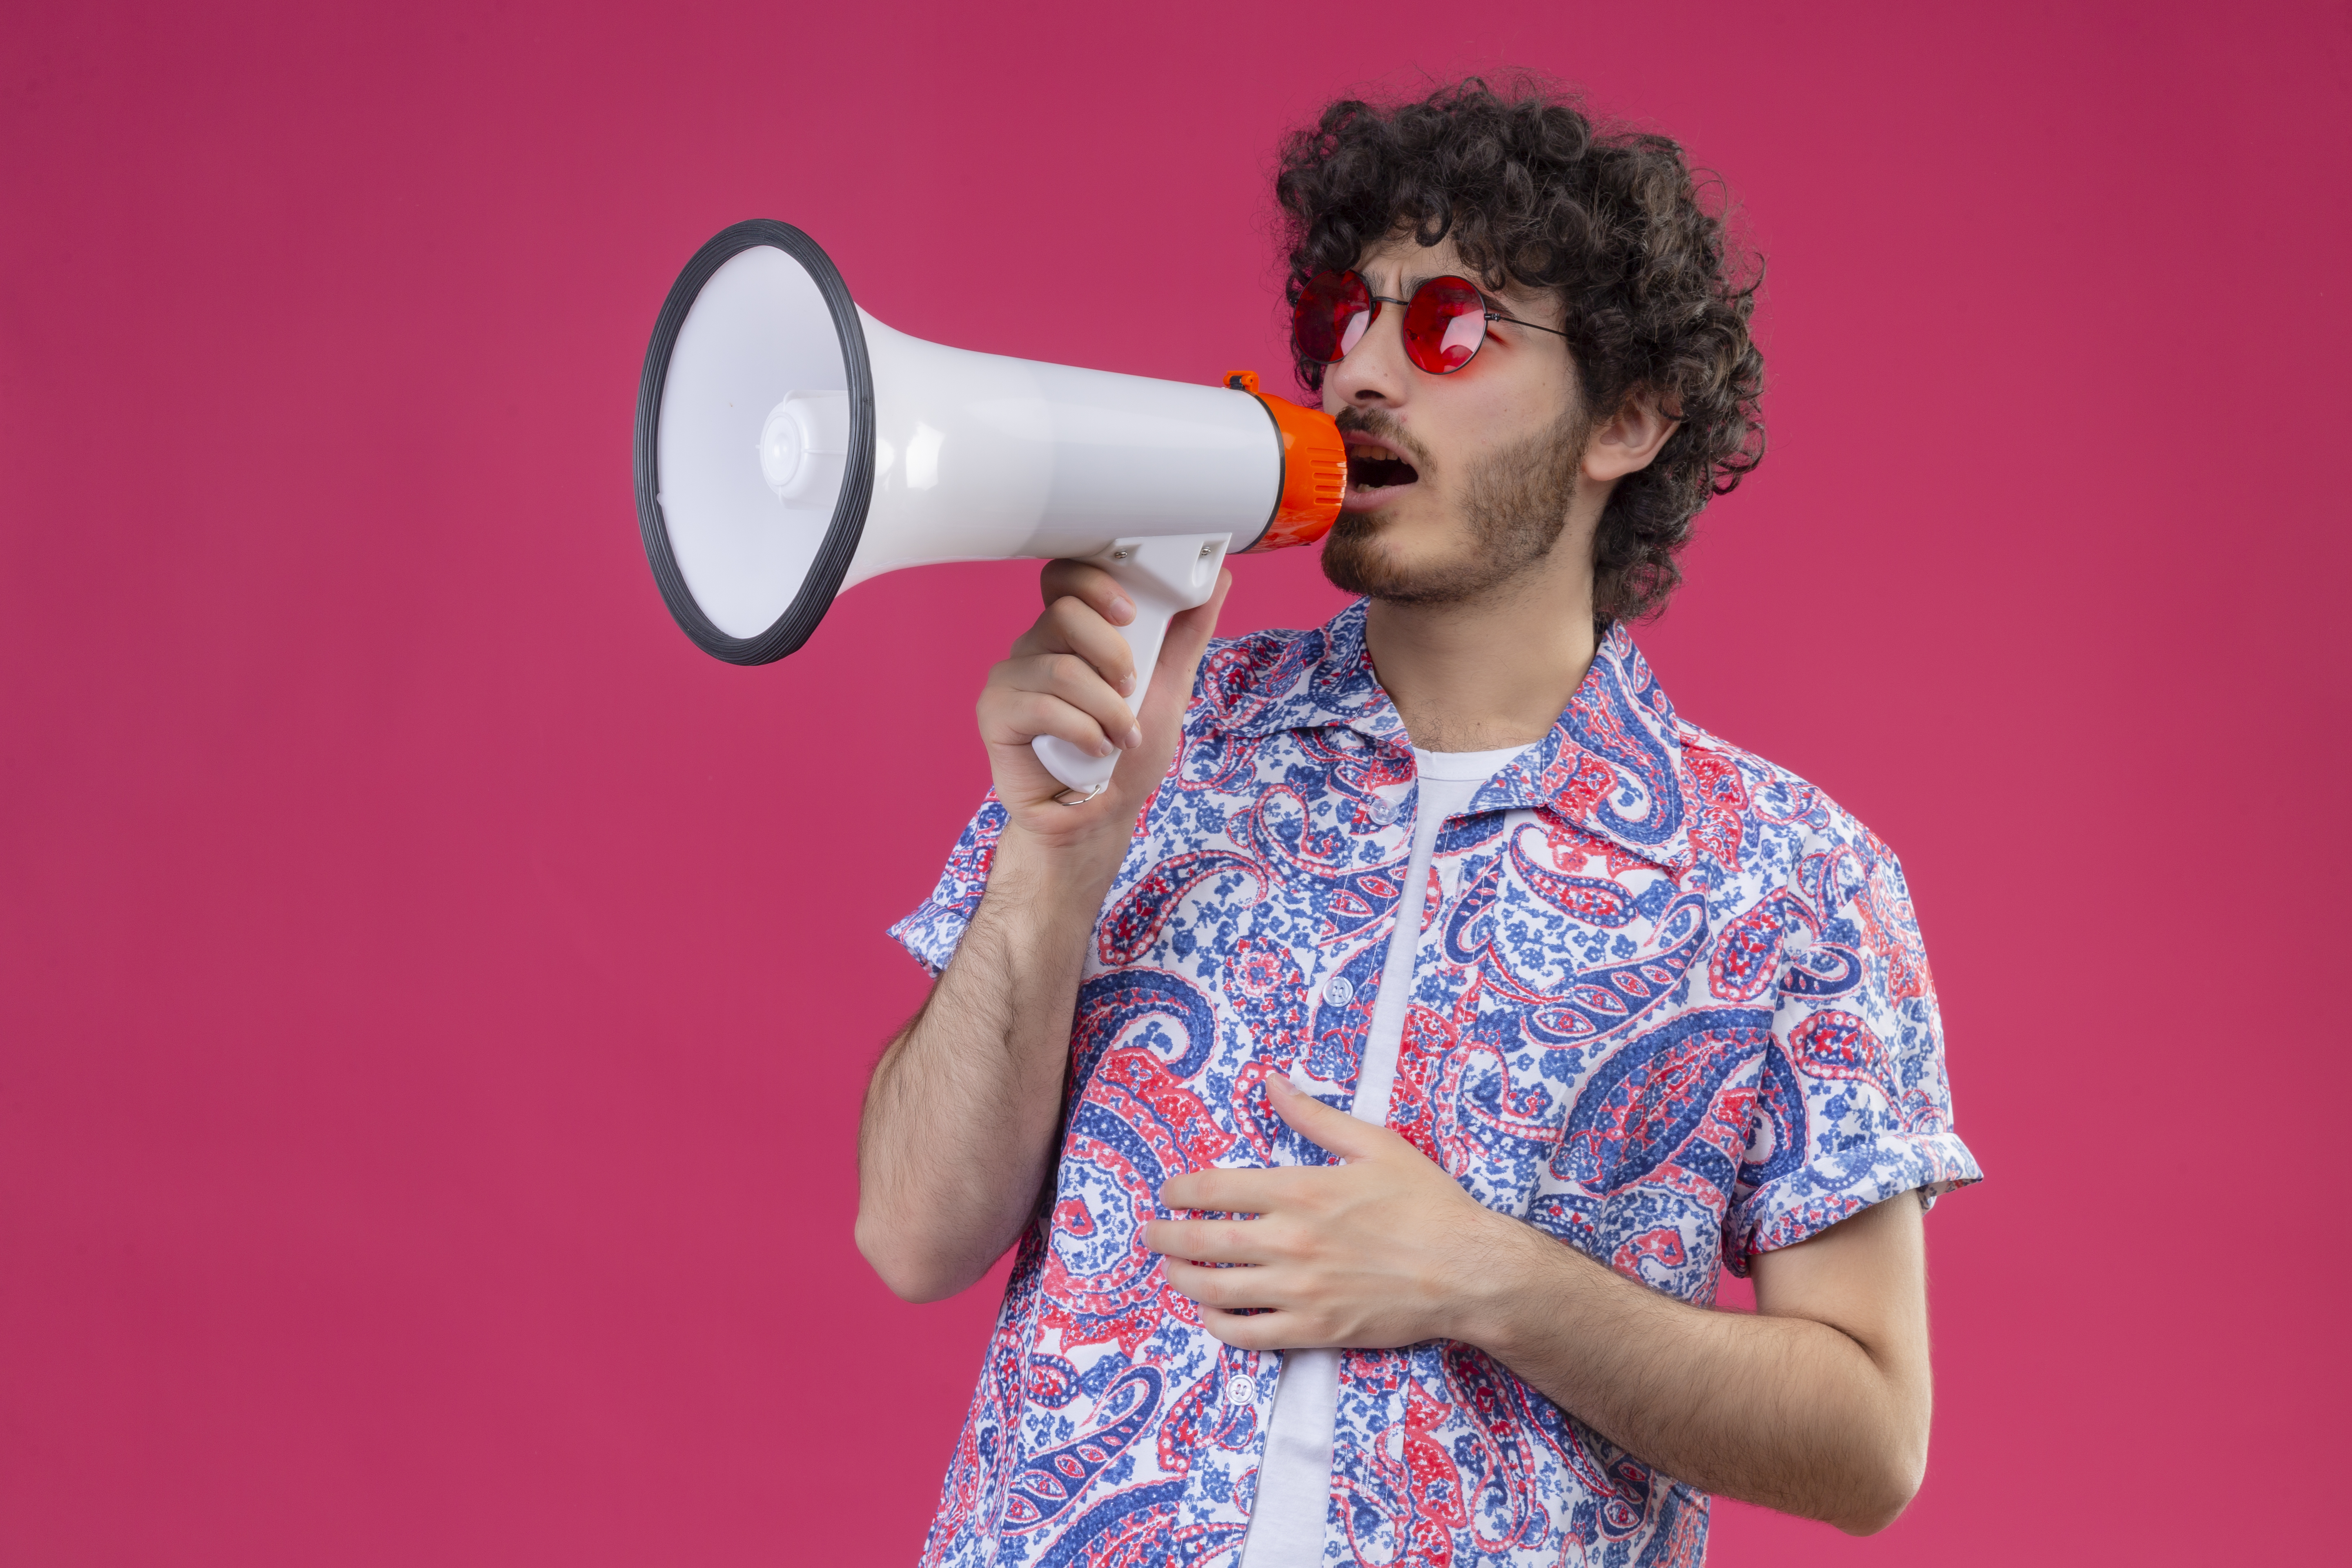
(1349, 967)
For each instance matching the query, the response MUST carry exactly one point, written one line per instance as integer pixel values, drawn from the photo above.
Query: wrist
(1522, 1282)
(1054, 879)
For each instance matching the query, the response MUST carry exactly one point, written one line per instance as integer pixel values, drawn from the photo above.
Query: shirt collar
(1612, 763)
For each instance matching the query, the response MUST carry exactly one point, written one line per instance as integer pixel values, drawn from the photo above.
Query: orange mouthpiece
(1314, 469)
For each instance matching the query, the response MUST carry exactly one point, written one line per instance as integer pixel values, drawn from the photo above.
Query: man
(1375, 1078)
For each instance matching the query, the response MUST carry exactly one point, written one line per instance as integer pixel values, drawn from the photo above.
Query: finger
(1251, 1330)
(1011, 717)
(1213, 1240)
(1230, 1289)
(1324, 1127)
(1070, 625)
(1073, 680)
(1090, 584)
(1226, 1191)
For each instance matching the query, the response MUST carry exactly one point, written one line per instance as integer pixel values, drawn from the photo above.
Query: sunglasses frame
(1377, 301)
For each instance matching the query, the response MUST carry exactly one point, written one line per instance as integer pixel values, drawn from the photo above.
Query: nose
(1375, 372)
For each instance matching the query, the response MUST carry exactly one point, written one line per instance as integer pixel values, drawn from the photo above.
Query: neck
(1488, 672)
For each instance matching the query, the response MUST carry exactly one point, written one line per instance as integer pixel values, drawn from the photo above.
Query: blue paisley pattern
(1669, 1004)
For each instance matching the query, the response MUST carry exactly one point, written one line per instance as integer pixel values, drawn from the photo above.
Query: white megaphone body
(789, 446)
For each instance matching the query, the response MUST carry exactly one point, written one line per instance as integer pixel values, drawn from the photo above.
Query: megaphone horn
(789, 446)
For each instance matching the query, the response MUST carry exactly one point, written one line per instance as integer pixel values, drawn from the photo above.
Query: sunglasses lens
(1445, 324)
(1334, 309)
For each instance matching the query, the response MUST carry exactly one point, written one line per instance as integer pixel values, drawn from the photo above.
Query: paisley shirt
(1669, 1004)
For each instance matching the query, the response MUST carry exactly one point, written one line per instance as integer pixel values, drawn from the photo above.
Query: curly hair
(1609, 221)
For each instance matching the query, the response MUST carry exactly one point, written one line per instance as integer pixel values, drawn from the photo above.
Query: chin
(1359, 557)
(1363, 555)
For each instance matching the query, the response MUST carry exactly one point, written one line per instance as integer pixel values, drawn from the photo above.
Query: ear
(1628, 442)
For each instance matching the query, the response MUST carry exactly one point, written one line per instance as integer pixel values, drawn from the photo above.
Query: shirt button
(1339, 991)
(1242, 1391)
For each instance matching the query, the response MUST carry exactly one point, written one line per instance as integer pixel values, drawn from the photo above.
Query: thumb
(1324, 1127)
(1188, 631)
(1180, 656)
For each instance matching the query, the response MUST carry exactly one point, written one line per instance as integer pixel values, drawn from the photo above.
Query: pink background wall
(434, 998)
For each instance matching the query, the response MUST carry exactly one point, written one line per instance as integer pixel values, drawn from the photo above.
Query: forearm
(1783, 1411)
(957, 1132)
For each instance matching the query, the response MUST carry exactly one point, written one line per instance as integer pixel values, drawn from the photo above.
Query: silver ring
(1080, 797)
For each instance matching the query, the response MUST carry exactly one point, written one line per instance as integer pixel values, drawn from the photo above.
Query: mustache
(1383, 425)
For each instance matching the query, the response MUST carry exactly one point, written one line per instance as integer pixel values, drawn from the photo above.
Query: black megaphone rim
(823, 580)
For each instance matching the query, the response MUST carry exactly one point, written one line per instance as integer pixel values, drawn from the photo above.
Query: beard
(1514, 501)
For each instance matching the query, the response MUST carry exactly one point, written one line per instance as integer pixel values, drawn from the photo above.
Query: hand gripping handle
(1163, 576)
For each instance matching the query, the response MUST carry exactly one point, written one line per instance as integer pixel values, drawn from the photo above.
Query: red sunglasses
(1444, 322)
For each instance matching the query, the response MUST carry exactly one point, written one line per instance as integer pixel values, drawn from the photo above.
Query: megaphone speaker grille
(748, 558)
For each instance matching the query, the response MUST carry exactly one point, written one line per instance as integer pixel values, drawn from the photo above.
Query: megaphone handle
(1164, 576)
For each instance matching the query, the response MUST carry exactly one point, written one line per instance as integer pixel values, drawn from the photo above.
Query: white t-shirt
(1293, 1482)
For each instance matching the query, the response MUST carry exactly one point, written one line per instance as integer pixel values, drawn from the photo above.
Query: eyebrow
(1414, 280)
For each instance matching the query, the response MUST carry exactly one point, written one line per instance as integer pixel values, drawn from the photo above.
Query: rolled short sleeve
(934, 928)
(1854, 1106)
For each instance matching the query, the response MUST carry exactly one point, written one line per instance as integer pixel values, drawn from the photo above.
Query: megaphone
(789, 446)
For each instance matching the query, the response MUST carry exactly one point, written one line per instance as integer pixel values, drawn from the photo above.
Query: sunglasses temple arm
(1535, 326)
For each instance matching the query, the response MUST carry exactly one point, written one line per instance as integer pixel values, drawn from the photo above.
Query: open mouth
(1373, 467)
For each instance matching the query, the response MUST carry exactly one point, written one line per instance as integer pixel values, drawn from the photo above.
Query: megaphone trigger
(1165, 577)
